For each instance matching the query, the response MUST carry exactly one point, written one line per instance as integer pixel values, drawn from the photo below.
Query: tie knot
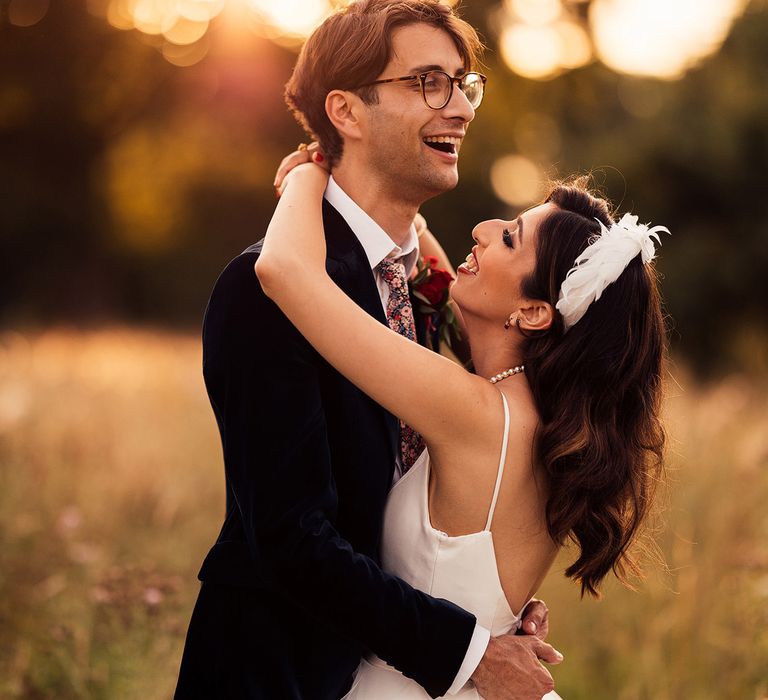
(393, 273)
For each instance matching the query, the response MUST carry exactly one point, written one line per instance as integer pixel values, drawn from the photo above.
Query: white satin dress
(461, 569)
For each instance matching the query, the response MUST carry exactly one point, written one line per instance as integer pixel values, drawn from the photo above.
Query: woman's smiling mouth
(470, 265)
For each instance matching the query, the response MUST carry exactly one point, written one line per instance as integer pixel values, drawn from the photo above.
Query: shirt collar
(375, 241)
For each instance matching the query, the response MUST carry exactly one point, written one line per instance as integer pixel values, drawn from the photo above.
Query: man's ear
(536, 316)
(346, 112)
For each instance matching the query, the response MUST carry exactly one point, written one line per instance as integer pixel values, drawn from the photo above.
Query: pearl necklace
(507, 373)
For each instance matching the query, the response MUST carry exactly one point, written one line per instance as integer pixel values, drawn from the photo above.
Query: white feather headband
(602, 262)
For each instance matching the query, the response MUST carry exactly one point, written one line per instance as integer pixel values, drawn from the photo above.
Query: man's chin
(446, 184)
(443, 181)
(423, 184)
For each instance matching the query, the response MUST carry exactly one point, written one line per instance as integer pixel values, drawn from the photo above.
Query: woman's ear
(536, 316)
(345, 110)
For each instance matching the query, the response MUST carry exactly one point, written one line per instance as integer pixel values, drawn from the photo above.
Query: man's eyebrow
(520, 228)
(435, 66)
(425, 68)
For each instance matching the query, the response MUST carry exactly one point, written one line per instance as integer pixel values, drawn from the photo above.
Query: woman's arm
(431, 393)
(429, 245)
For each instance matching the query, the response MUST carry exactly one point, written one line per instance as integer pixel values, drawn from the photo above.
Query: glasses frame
(422, 78)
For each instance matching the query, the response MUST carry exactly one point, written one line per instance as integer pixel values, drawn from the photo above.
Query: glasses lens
(437, 89)
(472, 86)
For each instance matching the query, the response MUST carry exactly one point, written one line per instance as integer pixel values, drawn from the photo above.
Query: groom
(292, 593)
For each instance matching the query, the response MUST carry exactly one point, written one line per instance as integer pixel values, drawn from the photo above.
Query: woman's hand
(304, 154)
(305, 180)
(294, 247)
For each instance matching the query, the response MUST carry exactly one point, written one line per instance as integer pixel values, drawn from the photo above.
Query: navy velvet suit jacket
(309, 463)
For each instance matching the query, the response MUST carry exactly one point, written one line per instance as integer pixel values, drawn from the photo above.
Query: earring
(508, 323)
(529, 334)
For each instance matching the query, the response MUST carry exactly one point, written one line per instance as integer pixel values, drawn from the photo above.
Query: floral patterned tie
(400, 319)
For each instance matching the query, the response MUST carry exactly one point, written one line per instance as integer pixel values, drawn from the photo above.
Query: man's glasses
(437, 87)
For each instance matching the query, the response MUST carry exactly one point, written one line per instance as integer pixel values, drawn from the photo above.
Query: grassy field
(111, 492)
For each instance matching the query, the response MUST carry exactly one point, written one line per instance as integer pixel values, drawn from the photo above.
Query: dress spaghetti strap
(502, 460)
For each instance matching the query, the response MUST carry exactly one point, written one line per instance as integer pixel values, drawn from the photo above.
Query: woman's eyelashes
(506, 236)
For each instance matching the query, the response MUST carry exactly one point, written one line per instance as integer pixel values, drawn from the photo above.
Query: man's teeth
(455, 140)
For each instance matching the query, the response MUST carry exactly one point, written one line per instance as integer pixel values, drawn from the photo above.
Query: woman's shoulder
(524, 418)
(523, 415)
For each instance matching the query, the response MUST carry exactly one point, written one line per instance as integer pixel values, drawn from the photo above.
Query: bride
(555, 436)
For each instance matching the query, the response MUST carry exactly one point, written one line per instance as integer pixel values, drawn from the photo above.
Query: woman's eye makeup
(506, 236)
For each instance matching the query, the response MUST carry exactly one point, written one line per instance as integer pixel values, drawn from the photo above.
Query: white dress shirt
(378, 246)
(376, 242)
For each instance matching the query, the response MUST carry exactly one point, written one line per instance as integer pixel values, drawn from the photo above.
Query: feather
(602, 262)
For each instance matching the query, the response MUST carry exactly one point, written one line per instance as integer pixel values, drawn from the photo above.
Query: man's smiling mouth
(446, 144)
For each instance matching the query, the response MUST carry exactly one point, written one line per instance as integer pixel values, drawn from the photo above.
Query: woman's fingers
(289, 163)
(420, 223)
(304, 154)
(319, 159)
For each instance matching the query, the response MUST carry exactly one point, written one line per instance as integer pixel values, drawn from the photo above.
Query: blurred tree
(129, 182)
(691, 154)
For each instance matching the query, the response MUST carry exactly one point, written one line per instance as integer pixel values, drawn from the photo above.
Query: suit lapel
(348, 264)
(349, 267)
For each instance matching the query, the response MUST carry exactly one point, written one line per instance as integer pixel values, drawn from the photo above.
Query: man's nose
(459, 106)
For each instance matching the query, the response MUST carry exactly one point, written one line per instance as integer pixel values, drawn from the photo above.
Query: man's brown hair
(352, 47)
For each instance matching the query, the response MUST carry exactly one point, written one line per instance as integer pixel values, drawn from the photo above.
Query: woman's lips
(470, 266)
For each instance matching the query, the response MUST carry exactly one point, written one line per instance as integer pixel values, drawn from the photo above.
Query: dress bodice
(461, 569)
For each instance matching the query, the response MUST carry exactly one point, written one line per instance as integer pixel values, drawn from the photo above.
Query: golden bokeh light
(292, 18)
(154, 16)
(531, 51)
(186, 31)
(185, 22)
(119, 14)
(659, 38)
(185, 55)
(540, 39)
(180, 21)
(517, 180)
(535, 12)
(200, 10)
(575, 45)
(27, 13)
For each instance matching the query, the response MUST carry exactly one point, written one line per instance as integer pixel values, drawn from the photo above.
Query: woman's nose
(480, 233)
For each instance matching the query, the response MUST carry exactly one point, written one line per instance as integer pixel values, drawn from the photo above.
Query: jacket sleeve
(264, 385)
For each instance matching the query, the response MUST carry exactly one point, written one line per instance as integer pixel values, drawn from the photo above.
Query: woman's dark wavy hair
(598, 390)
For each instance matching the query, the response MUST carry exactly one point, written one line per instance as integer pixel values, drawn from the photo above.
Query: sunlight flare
(660, 38)
(297, 18)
